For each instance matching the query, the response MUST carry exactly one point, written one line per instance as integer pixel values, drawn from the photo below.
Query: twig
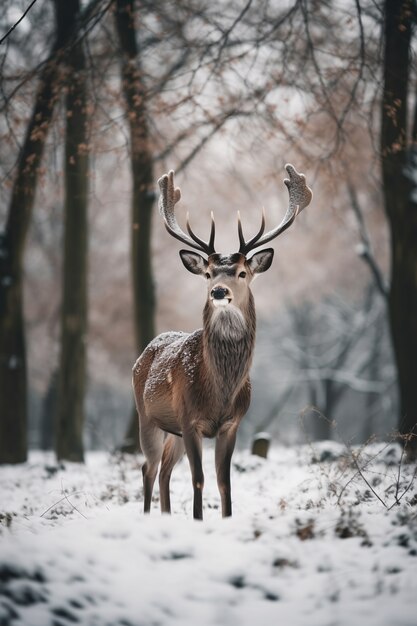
(11, 29)
(74, 507)
(398, 481)
(368, 484)
(65, 497)
(358, 473)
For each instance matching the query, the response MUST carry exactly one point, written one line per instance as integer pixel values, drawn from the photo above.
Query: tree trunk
(398, 164)
(49, 405)
(374, 366)
(72, 369)
(13, 374)
(326, 422)
(142, 190)
(320, 419)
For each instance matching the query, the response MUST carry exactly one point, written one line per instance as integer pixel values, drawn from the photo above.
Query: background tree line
(225, 95)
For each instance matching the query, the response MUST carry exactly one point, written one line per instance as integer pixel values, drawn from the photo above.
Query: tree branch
(11, 29)
(365, 250)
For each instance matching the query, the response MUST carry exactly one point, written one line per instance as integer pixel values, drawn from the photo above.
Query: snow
(316, 537)
(169, 347)
(262, 435)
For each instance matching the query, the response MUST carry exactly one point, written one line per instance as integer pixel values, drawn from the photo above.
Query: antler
(167, 201)
(299, 197)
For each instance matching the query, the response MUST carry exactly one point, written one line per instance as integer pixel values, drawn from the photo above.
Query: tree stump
(260, 444)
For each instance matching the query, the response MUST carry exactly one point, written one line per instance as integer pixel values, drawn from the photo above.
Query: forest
(99, 100)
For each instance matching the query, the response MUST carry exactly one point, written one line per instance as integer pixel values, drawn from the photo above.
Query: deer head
(229, 276)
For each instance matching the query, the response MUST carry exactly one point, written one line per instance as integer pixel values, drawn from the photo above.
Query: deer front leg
(225, 445)
(193, 448)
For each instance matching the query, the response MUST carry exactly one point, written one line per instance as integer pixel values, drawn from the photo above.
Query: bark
(13, 371)
(325, 423)
(373, 398)
(72, 369)
(48, 414)
(142, 189)
(399, 165)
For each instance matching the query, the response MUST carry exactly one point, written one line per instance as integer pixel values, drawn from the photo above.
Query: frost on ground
(320, 536)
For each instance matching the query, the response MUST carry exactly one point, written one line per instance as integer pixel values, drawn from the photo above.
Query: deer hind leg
(193, 448)
(152, 444)
(173, 451)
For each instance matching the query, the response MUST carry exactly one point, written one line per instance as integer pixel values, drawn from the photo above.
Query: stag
(190, 386)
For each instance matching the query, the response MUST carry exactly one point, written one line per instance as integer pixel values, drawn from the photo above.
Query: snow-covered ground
(320, 536)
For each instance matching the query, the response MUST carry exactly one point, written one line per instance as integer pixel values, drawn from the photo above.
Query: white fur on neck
(228, 321)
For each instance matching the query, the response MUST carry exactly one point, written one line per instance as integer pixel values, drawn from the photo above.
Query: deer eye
(208, 276)
(242, 275)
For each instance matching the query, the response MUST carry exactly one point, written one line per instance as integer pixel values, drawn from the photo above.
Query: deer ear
(193, 262)
(261, 261)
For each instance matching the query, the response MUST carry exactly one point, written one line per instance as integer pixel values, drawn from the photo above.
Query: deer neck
(228, 343)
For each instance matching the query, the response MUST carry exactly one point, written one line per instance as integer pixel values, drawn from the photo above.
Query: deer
(189, 386)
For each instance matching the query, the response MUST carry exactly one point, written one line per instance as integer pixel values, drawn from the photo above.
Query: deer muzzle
(220, 296)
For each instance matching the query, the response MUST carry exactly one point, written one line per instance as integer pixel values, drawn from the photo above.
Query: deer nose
(219, 293)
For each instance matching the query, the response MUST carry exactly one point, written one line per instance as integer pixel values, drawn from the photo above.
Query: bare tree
(72, 369)
(329, 362)
(13, 372)
(13, 367)
(399, 176)
(141, 159)
(333, 352)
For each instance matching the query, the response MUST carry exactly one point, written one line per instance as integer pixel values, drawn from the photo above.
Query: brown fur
(197, 385)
